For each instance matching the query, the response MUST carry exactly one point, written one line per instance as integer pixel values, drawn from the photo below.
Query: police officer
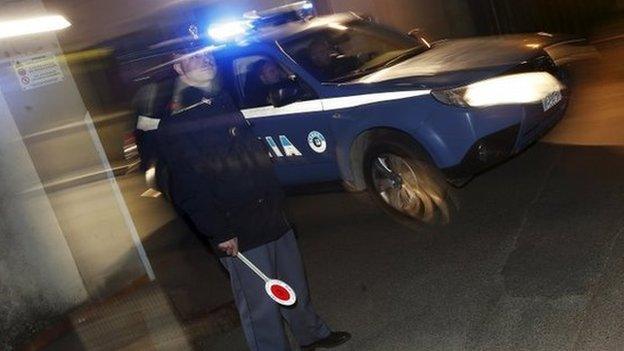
(222, 179)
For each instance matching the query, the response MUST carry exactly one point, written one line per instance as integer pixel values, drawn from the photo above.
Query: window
(258, 76)
(339, 51)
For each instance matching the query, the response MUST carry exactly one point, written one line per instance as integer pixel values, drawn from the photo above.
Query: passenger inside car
(265, 77)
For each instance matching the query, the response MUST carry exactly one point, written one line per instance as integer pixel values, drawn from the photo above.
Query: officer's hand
(230, 247)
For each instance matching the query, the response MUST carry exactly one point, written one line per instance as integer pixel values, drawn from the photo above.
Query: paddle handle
(252, 267)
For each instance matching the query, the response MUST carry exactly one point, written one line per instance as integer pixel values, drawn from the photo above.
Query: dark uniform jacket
(221, 176)
(154, 102)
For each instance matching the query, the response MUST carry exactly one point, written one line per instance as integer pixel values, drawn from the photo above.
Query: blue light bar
(228, 31)
(303, 9)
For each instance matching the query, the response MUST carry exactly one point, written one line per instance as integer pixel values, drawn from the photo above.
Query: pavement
(532, 259)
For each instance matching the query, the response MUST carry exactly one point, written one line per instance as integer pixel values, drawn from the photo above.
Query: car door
(297, 134)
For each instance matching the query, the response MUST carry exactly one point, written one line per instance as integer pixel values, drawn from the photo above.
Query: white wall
(61, 245)
(38, 275)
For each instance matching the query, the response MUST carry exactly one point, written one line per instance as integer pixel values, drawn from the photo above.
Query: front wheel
(406, 183)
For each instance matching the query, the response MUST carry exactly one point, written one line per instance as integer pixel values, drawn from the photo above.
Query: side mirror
(284, 96)
(421, 36)
(367, 17)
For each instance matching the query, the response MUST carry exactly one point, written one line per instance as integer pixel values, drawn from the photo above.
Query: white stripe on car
(330, 104)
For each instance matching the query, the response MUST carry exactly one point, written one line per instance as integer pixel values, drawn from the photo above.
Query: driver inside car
(326, 63)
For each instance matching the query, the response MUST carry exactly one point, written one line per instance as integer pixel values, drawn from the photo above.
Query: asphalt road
(531, 260)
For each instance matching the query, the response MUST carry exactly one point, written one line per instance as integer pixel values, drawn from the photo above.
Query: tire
(402, 178)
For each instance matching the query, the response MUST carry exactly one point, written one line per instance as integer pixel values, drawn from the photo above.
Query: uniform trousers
(261, 317)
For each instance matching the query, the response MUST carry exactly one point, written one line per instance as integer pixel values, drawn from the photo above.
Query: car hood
(462, 61)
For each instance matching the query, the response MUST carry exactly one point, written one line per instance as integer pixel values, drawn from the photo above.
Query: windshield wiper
(403, 56)
(355, 73)
(398, 58)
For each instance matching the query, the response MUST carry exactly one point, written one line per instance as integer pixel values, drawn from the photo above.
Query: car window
(339, 50)
(257, 76)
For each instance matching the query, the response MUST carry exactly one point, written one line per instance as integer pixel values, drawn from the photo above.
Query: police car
(383, 111)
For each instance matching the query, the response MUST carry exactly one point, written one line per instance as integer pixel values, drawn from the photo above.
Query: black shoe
(334, 339)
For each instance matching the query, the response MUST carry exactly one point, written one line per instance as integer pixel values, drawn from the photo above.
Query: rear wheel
(405, 182)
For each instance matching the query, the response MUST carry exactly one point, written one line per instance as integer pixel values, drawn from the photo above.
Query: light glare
(512, 89)
(14, 28)
(229, 30)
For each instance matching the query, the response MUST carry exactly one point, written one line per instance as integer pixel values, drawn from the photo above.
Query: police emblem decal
(317, 142)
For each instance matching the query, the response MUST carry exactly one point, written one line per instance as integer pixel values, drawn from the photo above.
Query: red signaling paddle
(277, 290)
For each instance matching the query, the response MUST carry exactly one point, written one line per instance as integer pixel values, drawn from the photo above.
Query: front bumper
(497, 147)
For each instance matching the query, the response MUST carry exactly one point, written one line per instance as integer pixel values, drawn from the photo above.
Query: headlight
(517, 88)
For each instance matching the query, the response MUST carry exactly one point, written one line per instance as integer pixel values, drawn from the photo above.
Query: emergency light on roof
(227, 31)
(280, 10)
(254, 20)
(277, 16)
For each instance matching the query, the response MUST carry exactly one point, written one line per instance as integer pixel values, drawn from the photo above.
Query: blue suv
(341, 98)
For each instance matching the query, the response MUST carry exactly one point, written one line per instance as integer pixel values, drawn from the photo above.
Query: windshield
(343, 51)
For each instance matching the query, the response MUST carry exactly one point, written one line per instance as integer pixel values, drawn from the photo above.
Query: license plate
(551, 100)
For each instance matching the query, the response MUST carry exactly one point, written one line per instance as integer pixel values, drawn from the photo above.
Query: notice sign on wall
(37, 70)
